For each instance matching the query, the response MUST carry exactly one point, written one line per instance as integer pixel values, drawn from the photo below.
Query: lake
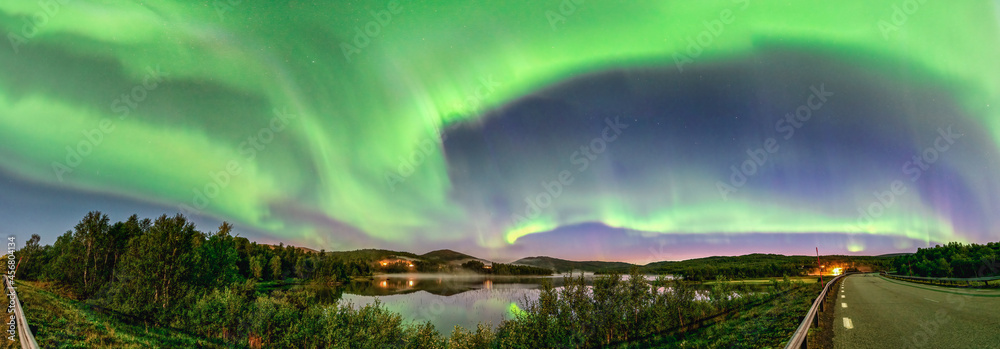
(446, 300)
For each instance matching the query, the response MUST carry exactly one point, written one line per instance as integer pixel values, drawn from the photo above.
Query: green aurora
(351, 115)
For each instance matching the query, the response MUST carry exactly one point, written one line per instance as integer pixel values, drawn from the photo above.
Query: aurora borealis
(426, 125)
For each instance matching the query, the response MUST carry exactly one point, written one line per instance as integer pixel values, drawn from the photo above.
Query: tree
(276, 267)
(257, 266)
(943, 268)
(157, 269)
(474, 265)
(217, 260)
(31, 259)
(119, 236)
(90, 238)
(953, 259)
(65, 268)
(304, 267)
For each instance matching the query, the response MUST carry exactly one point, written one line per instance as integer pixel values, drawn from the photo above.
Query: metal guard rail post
(812, 317)
(23, 331)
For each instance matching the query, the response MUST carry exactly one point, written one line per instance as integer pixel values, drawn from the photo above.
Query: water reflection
(448, 300)
(466, 309)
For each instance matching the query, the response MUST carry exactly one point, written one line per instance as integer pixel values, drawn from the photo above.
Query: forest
(166, 273)
(951, 260)
(504, 269)
(99, 258)
(760, 265)
(749, 266)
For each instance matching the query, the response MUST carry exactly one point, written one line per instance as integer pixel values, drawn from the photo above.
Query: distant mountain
(562, 265)
(761, 265)
(446, 256)
(755, 258)
(303, 249)
(371, 255)
(451, 257)
(733, 264)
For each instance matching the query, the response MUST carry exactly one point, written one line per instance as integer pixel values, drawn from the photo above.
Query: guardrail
(23, 331)
(955, 282)
(812, 317)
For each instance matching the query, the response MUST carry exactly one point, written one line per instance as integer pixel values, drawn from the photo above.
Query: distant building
(390, 261)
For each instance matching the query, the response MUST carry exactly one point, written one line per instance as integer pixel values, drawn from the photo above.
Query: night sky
(637, 131)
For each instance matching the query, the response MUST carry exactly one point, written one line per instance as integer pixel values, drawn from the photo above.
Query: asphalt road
(875, 312)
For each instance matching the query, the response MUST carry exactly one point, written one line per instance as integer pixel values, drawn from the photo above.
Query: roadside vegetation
(759, 266)
(952, 260)
(163, 283)
(768, 325)
(60, 322)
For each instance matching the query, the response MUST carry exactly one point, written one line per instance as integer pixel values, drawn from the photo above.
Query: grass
(60, 322)
(802, 279)
(955, 284)
(268, 286)
(769, 325)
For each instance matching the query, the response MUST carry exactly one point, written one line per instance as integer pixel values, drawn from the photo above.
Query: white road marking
(843, 296)
(932, 300)
(848, 324)
(843, 305)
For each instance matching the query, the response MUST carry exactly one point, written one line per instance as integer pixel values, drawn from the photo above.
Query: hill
(762, 265)
(447, 256)
(892, 255)
(371, 255)
(58, 321)
(562, 265)
(303, 249)
(755, 258)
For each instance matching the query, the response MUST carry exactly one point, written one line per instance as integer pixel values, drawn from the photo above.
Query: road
(875, 312)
